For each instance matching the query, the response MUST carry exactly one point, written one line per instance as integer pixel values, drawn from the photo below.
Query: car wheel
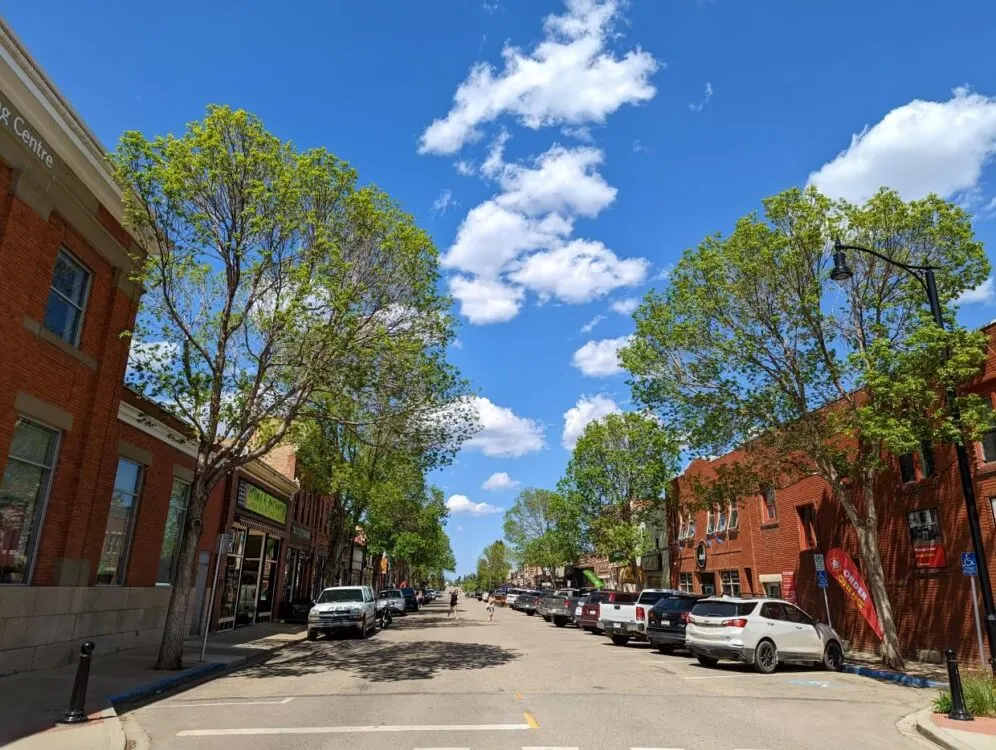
(530, 613)
(666, 650)
(833, 657)
(765, 657)
(707, 661)
(620, 640)
(588, 629)
(312, 634)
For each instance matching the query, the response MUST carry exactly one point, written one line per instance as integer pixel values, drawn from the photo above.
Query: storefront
(252, 569)
(298, 566)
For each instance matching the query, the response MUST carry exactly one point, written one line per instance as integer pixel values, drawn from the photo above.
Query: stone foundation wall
(42, 627)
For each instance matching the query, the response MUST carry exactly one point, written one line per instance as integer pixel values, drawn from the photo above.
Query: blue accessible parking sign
(821, 579)
(968, 565)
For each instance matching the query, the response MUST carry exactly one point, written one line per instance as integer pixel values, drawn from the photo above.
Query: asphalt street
(434, 683)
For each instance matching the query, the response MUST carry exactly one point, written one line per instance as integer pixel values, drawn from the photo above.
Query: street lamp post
(925, 275)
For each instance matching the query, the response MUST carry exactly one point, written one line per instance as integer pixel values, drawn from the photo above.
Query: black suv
(666, 622)
(411, 600)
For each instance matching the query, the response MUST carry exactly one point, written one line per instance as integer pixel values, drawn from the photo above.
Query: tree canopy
(543, 528)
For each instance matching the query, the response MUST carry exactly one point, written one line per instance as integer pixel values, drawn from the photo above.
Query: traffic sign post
(823, 582)
(970, 568)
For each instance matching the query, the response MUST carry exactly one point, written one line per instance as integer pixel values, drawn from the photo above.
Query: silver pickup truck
(563, 606)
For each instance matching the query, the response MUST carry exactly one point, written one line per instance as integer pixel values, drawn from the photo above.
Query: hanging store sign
(301, 532)
(253, 499)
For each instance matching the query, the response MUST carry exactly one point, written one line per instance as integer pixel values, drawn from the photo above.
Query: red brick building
(765, 543)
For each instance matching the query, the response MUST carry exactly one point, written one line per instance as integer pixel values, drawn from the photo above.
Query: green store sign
(261, 503)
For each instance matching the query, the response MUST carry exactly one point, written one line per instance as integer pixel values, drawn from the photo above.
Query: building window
(685, 582)
(722, 518)
(26, 480)
(907, 469)
(988, 441)
(927, 458)
(992, 505)
(807, 527)
(67, 297)
(120, 522)
(770, 510)
(730, 581)
(176, 516)
(734, 518)
(925, 534)
(773, 589)
(710, 521)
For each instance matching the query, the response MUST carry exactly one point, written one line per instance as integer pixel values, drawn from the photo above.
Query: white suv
(760, 631)
(341, 608)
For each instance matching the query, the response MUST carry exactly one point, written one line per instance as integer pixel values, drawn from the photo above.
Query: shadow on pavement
(414, 622)
(382, 661)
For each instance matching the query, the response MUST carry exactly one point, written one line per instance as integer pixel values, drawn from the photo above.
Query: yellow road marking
(531, 720)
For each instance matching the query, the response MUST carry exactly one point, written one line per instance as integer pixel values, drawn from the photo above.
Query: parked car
(667, 620)
(394, 599)
(562, 605)
(511, 595)
(411, 599)
(296, 611)
(624, 621)
(498, 597)
(529, 602)
(591, 610)
(762, 632)
(343, 608)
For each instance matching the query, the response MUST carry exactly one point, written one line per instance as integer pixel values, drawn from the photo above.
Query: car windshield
(390, 594)
(651, 597)
(341, 595)
(723, 609)
(674, 604)
(408, 592)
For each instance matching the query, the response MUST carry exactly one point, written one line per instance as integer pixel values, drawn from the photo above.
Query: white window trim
(710, 522)
(735, 503)
(77, 334)
(43, 511)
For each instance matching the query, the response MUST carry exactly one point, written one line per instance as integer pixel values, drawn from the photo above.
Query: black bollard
(958, 711)
(76, 713)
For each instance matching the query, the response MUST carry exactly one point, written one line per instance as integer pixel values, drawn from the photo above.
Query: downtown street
(431, 682)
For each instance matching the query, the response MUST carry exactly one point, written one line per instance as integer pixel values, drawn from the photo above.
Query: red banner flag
(845, 573)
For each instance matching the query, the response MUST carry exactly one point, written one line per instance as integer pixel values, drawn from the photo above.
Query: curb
(900, 678)
(927, 729)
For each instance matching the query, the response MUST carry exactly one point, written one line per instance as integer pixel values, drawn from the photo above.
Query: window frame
(686, 579)
(907, 466)
(769, 593)
(769, 507)
(176, 553)
(710, 522)
(41, 512)
(84, 297)
(926, 448)
(733, 515)
(722, 520)
(802, 511)
(730, 577)
(981, 442)
(121, 574)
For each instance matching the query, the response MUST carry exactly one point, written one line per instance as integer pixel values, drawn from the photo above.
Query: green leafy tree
(542, 529)
(271, 278)
(616, 478)
(493, 565)
(752, 345)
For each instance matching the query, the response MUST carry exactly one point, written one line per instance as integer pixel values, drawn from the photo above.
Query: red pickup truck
(591, 613)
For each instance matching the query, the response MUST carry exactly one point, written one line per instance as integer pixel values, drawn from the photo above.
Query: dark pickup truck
(563, 606)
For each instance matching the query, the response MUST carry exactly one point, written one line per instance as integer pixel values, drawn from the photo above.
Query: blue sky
(588, 144)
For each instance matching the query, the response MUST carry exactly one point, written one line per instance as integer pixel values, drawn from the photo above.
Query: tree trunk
(872, 558)
(175, 629)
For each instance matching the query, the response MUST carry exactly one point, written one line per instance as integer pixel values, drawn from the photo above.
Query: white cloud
(582, 133)
(580, 271)
(443, 202)
(483, 301)
(599, 359)
(569, 78)
(464, 167)
(918, 148)
(562, 180)
(984, 294)
(590, 325)
(461, 505)
(639, 148)
(503, 434)
(587, 409)
(457, 344)
(500, 480)
(706, 96)
(626, 306)
(148, 357)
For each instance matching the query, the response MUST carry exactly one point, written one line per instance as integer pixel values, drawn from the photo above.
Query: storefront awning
(252, 523)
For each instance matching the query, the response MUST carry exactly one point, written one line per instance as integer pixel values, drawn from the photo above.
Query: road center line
(372, 728)
(225, 703)
(531, 720)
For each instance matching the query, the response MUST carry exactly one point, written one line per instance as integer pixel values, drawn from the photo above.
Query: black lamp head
(841, 271)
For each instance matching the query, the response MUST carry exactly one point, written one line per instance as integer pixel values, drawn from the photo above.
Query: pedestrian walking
(491, 611)
(453, 601)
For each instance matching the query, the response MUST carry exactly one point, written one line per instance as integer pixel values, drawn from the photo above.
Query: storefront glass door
(245, 613)
(268, 580)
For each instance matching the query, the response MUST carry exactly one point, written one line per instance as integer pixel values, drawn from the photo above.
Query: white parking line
(285, 701)
(249, 731)
(549, 747)
(441, 748)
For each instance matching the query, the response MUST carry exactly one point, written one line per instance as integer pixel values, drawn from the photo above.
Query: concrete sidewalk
(33, 701)
(957, 735)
